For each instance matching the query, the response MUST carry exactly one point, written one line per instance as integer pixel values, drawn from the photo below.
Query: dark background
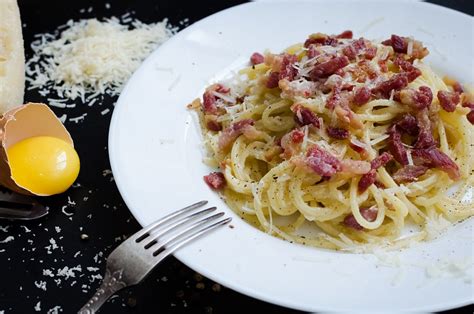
(94, 207)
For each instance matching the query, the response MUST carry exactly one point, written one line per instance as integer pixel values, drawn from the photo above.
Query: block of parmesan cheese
(12, 56)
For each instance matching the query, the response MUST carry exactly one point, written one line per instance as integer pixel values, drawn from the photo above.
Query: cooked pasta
(342, 143)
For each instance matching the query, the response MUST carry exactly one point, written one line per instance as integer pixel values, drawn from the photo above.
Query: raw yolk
(43, 165)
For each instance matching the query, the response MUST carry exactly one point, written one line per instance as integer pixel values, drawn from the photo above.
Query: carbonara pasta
(342, 143)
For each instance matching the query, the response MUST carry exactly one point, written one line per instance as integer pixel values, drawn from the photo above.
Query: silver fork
(134, 259)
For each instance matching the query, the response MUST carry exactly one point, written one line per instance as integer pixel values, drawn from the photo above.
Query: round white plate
(156, 159)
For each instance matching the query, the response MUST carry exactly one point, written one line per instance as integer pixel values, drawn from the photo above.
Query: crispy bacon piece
(283, 68)
(290, 143)
(369, 214)
(355, 167)
(434, 158)
(287, 70)
(272, 80)
(352, 50)
(335, 97)
(468, 102)
(327, 68)
(322, 162)
(338, 133)
(381, 160)
(457, 87)
(409, 173)
(396, 82)
(297, 136)
(339, 102)
(347, 34)
(369, 178)
(256, 58)
(407, 68)
(417, 99)
(419, 127)
(408, 125)
(359, 148)
(361, 95)
(448, 100)
(395, 145)
(231, 133)
(215, 180)
(470, 117)
(425, 135)
(209, 103)
(320, 39)
(398, 43)
(312, 52)
(304, 116)
(211, 123)
(370, 53)
(209, 99)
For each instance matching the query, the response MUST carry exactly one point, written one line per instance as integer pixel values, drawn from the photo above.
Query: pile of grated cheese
(92, 57)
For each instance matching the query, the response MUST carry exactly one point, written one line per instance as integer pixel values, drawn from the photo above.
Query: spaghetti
(341, 143)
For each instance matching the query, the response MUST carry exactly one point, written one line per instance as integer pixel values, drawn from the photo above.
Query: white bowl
(156, 159)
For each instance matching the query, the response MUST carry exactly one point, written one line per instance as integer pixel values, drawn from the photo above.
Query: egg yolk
(43, 165)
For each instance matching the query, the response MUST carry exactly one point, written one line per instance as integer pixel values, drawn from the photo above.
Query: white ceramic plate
(156, 159)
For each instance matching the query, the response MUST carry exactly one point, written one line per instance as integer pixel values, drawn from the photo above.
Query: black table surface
(93, 208)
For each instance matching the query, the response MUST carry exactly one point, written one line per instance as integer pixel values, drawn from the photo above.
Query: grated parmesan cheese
(410, 47)
(379, 139)
(91, 56)
(410, 158)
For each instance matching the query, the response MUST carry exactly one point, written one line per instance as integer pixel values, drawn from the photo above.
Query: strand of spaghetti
(275, 197)
(278, 122)
(236, 184)
(443, 140)
(238, 156)
(259, 188)
(382, 115)
(423, 186)
(387, 180)
(398, 206)
(356, 210)
(310, 212)
(380, 205)
(283, 198)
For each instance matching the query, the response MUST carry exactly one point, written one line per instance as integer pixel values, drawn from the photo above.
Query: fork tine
(140, 235)
(175, 225)
(187, 237)
(180, 231)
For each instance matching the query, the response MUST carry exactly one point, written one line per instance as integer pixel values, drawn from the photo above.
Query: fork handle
(111, 283)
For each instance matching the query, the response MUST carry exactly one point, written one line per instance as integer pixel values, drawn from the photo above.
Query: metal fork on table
(134, 259)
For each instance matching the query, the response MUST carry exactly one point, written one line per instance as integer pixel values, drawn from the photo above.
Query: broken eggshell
(17, 124)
